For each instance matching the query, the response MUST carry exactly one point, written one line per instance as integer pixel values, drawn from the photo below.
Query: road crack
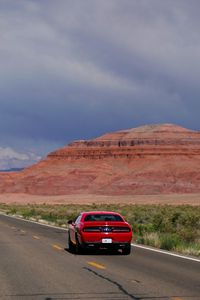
(117, 284)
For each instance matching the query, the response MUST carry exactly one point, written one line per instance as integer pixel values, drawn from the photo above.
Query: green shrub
(169, 241)
(169, 227)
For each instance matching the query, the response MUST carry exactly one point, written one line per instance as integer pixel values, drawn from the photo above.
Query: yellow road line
(177, 298)
(56, 247)
(96, 265)
(36, 237)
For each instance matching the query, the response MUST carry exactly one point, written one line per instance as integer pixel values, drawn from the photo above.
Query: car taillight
(91, 229)
(121, 229)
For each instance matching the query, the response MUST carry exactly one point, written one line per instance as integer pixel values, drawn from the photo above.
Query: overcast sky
(74, 69)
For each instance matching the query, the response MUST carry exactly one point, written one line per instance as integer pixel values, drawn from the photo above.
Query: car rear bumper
(111, 246)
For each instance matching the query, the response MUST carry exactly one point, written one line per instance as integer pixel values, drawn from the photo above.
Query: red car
(99, 230)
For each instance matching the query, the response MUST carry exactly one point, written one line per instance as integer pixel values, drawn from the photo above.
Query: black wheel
(78, 249)
(70, 244)
(126, 250)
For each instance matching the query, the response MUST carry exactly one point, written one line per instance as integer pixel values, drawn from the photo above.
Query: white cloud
(10, 158)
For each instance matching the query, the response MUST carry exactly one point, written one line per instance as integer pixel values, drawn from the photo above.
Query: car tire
(126, 250)
(70, 244)
(78, 248)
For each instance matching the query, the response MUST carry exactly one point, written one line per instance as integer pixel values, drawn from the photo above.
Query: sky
(74, 69)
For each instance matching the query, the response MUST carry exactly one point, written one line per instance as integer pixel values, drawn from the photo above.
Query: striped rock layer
(151, 159)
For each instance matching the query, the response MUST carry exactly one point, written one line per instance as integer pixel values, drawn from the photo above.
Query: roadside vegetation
(175, 228)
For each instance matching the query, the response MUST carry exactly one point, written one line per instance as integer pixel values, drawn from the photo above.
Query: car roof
(99, 212)
(85, 213)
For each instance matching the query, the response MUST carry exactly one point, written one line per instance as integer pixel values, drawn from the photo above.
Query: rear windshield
(103, 217)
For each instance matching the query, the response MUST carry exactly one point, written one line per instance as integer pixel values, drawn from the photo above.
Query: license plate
(107, 241)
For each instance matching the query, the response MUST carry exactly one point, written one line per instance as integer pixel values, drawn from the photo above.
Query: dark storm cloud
(77, 69)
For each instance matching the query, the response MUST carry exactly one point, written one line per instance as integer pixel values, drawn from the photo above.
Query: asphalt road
(35, 264)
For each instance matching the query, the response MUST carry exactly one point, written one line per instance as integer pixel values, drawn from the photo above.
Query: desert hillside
(154, 159)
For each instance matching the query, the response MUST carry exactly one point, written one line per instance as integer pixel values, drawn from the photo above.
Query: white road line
(133, 245)
(34, 222)
(166, 252)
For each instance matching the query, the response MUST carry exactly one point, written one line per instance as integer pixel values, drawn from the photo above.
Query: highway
(36, 264)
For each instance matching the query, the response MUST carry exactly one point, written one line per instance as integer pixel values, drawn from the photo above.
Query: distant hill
(151, 159)
(12, 170)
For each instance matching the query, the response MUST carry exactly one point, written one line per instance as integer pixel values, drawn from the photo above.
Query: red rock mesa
(151, 159)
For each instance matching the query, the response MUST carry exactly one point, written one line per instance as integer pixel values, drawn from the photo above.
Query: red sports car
(99, 230)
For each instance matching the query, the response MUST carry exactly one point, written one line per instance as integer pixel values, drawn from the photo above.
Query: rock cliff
(150, 159)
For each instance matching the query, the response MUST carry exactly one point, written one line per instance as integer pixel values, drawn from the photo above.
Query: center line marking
(96, 265)
(56, 247)
(36, 237)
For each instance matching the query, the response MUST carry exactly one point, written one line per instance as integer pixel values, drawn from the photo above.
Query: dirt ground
(172, 199)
